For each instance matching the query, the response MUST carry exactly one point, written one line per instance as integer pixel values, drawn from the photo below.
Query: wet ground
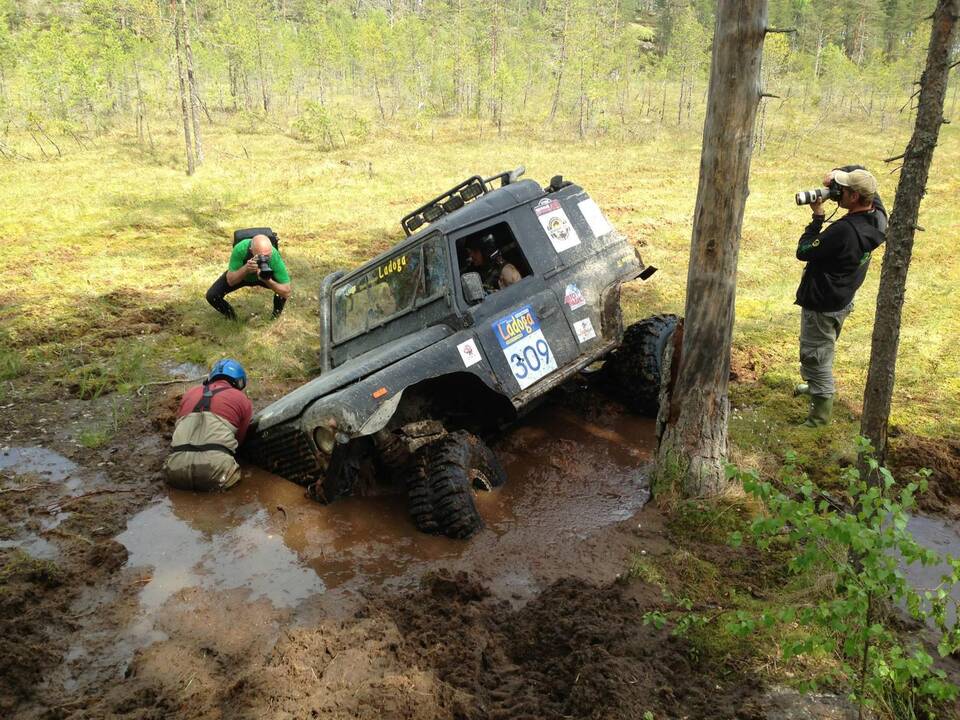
(568, 478)
(139, 602)
(199, 574)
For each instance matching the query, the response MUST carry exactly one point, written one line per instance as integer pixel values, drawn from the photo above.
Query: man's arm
(237, 269)
(281, 289)
(817, 245)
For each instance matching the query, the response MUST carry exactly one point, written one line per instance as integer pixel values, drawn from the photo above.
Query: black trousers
(217, 293)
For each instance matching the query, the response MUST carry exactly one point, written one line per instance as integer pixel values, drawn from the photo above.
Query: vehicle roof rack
(454, 199)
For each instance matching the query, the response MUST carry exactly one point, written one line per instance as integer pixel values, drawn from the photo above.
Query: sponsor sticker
(526, 349)
(557, 225)
(599, 225)
(584, 330)
(573, 297)
(469, 352)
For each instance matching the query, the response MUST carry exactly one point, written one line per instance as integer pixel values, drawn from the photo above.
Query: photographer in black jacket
(837, 259)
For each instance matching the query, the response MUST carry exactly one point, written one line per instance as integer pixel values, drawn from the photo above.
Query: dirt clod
(910, 453)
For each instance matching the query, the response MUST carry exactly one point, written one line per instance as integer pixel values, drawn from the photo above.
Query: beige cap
(857, 180)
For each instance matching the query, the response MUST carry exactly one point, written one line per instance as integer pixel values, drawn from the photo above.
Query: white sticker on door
(599, 225)
(584, 330)
(469, 352)
(573, 297)
(526, 349)
(555, 221)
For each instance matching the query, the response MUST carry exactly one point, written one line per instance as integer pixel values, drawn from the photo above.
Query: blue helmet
(230, 370)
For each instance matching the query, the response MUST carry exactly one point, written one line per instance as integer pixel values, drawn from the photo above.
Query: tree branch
(779, 30)
(769, 95)
(896, 157)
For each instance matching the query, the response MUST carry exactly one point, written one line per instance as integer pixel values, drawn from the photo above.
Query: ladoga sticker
(524, 346)
(557, 224)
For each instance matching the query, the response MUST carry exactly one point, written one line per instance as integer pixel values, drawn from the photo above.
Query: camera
(820, 194)
(263, 266)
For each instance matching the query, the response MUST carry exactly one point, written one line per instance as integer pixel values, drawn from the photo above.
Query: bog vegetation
(330, 121)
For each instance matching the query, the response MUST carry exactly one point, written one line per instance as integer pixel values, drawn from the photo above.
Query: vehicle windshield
(388, 290)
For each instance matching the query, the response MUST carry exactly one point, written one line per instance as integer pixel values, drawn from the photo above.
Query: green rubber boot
(821, 407)
(801, 389)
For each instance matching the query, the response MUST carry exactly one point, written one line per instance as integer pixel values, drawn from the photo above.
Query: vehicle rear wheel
(635, 367)
(448, 473)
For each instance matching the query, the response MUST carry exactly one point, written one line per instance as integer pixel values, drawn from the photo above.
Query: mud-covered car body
(398, 351)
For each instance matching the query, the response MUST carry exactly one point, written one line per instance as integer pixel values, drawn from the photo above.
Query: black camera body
(263, 266)
(820, 194)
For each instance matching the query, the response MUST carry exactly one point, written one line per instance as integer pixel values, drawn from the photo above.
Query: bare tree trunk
(192, 86)
(184, 109)
(263, 79)
(561, 63)
(694, 438)
(878, 394)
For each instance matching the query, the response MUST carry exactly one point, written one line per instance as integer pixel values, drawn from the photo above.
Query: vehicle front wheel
(635, 368)
(448, 474)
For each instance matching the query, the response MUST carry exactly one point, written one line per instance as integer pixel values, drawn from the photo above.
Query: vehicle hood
(293, 404)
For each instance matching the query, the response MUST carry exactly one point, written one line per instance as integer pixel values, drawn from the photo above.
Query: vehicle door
(520, 328)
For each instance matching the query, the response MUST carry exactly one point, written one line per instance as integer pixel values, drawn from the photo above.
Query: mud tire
(634, 369)
(447, 474)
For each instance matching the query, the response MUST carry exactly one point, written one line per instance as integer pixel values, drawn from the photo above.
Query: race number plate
(524, 346)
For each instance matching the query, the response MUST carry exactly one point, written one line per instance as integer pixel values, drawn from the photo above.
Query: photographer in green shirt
(254, 262)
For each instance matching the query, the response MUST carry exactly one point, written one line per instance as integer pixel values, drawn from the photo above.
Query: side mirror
(472, 287)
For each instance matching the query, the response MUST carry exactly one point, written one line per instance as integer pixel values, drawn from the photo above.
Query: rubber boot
(801, 389)
(821, 407)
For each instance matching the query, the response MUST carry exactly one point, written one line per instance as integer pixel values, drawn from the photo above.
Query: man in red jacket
(211, 424)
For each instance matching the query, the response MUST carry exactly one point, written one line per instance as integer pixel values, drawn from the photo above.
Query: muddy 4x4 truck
(420, 362)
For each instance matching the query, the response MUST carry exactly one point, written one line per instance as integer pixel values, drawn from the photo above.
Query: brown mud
(119, 598)
(910, 453)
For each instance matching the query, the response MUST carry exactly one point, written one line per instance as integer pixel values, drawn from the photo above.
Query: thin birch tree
(878, 394)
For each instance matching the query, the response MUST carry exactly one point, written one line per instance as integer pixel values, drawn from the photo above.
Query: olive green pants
(205, 471)
(818, 341)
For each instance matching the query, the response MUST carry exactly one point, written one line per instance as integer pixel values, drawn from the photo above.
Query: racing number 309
(532, 358)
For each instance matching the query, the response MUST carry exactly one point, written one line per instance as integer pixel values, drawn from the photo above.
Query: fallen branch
(169, 382)
(58, 506)
(20, 489)
(64, 533)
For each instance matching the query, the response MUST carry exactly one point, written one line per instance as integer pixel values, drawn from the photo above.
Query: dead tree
(916, 159)
(192, 85)
(694, 438)
(184, 108)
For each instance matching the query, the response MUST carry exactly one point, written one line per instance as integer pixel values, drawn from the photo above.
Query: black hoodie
(837, 259)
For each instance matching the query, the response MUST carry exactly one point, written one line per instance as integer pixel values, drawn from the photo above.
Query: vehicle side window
(436, 267)
(389, 289)
(494, 253)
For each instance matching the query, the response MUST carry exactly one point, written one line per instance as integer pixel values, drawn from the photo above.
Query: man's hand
(252, 266)
(281, 289)
(817, 208)
(828, 178)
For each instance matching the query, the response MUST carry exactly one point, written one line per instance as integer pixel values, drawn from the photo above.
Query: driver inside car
(484, 257)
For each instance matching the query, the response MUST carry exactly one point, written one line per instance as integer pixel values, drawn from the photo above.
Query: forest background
(330, 120)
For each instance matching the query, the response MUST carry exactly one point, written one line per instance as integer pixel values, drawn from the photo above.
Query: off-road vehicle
(423, 353)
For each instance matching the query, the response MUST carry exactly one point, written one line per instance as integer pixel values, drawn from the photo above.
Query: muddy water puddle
(568, 478)
(37, 468)
(943, 537)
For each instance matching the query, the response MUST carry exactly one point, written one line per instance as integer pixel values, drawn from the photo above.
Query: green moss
(22, 566)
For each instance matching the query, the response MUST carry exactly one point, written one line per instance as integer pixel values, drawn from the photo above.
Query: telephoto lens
(806, 197)
(266, 272)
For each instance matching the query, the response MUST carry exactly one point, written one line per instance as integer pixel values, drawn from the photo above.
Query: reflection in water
(184, 550)
(39, 461)
(942, 537)
(567, 478)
